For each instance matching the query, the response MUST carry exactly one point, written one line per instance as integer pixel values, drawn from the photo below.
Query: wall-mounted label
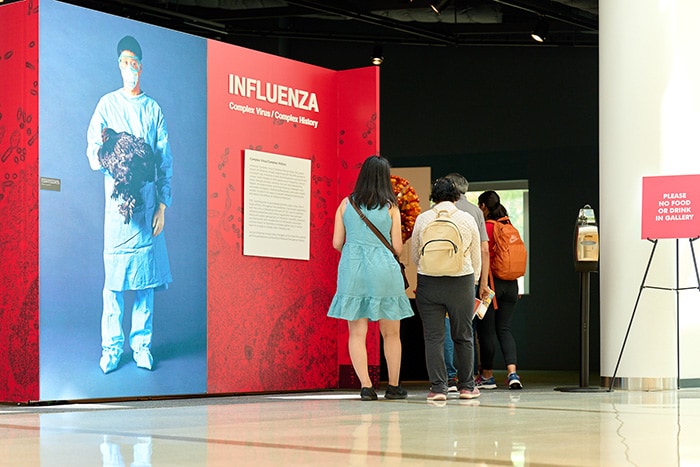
(52, 184)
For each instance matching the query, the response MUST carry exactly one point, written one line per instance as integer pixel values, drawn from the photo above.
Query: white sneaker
(436, 396)
(469, 393)
(452, 385)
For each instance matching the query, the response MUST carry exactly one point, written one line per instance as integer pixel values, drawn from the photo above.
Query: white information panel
(276, 205)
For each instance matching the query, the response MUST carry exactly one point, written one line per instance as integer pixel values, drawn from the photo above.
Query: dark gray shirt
(474, 210)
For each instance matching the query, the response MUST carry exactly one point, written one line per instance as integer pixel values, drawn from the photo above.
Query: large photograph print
(123, 215)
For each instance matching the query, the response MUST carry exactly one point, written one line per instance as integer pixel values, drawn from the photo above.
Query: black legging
(496, 326)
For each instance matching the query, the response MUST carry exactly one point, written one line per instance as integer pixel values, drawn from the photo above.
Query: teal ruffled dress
(369, 278)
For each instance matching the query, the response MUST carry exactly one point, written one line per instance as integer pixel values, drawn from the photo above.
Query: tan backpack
(441, 249)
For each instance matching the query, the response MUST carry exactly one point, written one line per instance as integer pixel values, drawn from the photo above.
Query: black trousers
(454, 296)
(495, 326)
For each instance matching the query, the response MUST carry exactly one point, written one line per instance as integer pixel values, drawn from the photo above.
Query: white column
(649, 126)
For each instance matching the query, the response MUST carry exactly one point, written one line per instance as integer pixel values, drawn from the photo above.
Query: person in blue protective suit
(135, 254)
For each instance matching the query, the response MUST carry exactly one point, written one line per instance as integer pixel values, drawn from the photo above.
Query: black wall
(498, 113)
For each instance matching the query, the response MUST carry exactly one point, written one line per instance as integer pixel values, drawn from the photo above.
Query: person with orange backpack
(507, 262)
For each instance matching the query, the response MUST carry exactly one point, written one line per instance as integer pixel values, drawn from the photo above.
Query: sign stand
(585, 261)
(585, 314)
(676, 289)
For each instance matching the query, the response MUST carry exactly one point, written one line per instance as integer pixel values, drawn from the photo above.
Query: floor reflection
(140, 449)
(536, 426)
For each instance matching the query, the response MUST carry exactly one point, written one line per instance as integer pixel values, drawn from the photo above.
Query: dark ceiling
(572, 23)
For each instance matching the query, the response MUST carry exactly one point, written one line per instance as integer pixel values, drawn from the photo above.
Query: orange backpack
(509, 258)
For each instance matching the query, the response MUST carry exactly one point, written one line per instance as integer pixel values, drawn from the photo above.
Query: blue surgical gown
(133, 258)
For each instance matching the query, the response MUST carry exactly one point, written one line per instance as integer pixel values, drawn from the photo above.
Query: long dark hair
(373, 185)
(492, 201)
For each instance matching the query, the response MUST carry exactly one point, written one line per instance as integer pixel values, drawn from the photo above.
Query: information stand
(676, 289)
(667, 213)
(586, 248)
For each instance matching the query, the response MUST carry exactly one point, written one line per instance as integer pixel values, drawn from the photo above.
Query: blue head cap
(131, 44)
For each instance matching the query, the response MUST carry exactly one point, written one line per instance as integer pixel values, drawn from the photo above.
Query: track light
(541, 30)
(439, 6)
(377, 55)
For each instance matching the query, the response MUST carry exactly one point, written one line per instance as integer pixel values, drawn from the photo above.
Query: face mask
(130, 77)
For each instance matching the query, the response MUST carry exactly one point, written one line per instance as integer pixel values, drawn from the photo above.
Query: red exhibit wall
(19, 185)
(267, 324)
(358, 138)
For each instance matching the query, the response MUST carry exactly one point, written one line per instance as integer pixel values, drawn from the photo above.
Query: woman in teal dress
(370, 285)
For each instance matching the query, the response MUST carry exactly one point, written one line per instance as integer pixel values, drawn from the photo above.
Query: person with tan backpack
(446, 247)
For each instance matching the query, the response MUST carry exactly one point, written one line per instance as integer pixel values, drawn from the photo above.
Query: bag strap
(373, 228)
(493, 287)
(491, 282)
(439, 213)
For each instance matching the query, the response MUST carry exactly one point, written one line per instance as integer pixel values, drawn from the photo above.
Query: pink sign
(671, 207)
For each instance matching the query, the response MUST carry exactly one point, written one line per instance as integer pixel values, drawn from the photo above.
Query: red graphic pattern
(358, 139)
(267, 323)
(19, 230)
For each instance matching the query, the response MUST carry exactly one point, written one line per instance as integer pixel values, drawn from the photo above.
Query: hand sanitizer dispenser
(586, 244)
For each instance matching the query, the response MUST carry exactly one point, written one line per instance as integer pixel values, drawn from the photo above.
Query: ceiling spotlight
(541, 30)
(377, 55)
(439, 6)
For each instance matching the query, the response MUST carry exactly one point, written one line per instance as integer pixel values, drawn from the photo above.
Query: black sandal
(368, 394)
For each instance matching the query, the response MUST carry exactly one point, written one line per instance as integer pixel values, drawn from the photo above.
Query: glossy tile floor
(538, 426)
